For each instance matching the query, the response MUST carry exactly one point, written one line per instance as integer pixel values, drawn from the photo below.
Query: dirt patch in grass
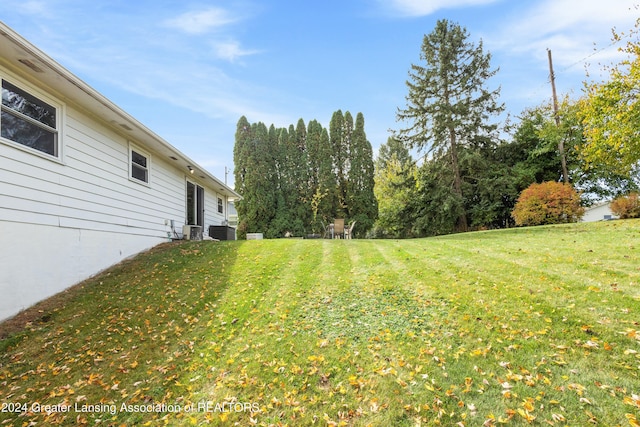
(39, 313)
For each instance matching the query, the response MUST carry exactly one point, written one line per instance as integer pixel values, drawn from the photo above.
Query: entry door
(195, 204)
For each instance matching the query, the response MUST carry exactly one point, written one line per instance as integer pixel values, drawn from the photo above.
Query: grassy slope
(520, 326)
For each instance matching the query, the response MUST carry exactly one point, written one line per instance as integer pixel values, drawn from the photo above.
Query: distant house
(83, 184)
(598, 212)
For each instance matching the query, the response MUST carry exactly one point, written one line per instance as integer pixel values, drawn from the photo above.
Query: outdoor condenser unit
(191, 232)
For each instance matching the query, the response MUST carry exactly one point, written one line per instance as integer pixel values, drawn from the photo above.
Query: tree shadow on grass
(129, 328)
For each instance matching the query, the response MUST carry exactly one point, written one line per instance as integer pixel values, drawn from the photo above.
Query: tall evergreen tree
(241, 153)
(282, 186)
(300, 165)
(322, 180)
(361, 200)
(339, 134)
(255, 159)
(289, 177)
(263, 197)
(327, 180)
(447, 104)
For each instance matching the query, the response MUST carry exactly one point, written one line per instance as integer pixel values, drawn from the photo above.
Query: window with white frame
(28, 120)
(140, 163)
(220, 206)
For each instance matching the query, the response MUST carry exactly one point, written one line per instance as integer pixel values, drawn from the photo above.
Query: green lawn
(535, 326)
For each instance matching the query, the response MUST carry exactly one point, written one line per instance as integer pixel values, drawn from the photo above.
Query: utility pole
(563, 159)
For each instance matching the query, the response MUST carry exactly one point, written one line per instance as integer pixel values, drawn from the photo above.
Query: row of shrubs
(627, 206)
(557, 203)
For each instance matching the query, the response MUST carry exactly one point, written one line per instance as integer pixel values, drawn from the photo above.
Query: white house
(598, 212)
(83, 184)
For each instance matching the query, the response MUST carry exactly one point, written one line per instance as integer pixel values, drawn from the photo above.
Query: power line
(594, 53)
(539, 89)
(597, 51)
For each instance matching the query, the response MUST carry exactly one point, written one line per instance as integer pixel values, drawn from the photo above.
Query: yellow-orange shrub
(547, 203)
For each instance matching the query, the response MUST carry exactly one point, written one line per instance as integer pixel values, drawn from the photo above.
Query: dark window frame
(139, 165)
(30, 120)
(194, 204)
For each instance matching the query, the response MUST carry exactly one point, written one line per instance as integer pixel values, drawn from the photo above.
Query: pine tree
(255, 174)
(263, 181)
(361, 200)
(300, 164)
(289, 177)
(447, 104)
(240, 159)
(282, 219)
(339, 146)
(322, 179)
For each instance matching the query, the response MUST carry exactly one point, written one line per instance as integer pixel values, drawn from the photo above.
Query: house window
(139, 165)
(220, 208)
(28, 120)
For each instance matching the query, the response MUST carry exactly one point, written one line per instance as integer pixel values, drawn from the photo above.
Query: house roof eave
(23, 57)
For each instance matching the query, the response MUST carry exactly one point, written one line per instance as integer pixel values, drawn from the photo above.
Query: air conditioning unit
(191, 232)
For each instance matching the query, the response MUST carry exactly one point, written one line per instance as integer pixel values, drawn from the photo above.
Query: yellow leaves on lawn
(633, 400)
(632, 333)
(633, 421)
(367, 348)
(527, 409)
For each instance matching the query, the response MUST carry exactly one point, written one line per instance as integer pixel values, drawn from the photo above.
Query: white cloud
(578, 32)
(208, 20)
(427, 7)
(199, 22)
(574, 29)
(191, 73)
(553, 16)
(231, 50)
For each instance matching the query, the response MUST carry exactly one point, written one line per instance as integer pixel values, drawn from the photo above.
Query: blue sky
(190, 69)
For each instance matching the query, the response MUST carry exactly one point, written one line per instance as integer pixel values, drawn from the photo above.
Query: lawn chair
(348, 232)
(338, 228)
(326, 230)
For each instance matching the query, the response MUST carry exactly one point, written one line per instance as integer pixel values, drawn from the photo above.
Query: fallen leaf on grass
(526, 415)
(633, 421)
(633, 400)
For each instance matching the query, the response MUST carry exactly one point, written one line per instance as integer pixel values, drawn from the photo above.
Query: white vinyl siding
(212, 217)
(70, 218)
(74, 219)
(92, 190)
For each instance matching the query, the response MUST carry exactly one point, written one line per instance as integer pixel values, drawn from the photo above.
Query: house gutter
(33, 60)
